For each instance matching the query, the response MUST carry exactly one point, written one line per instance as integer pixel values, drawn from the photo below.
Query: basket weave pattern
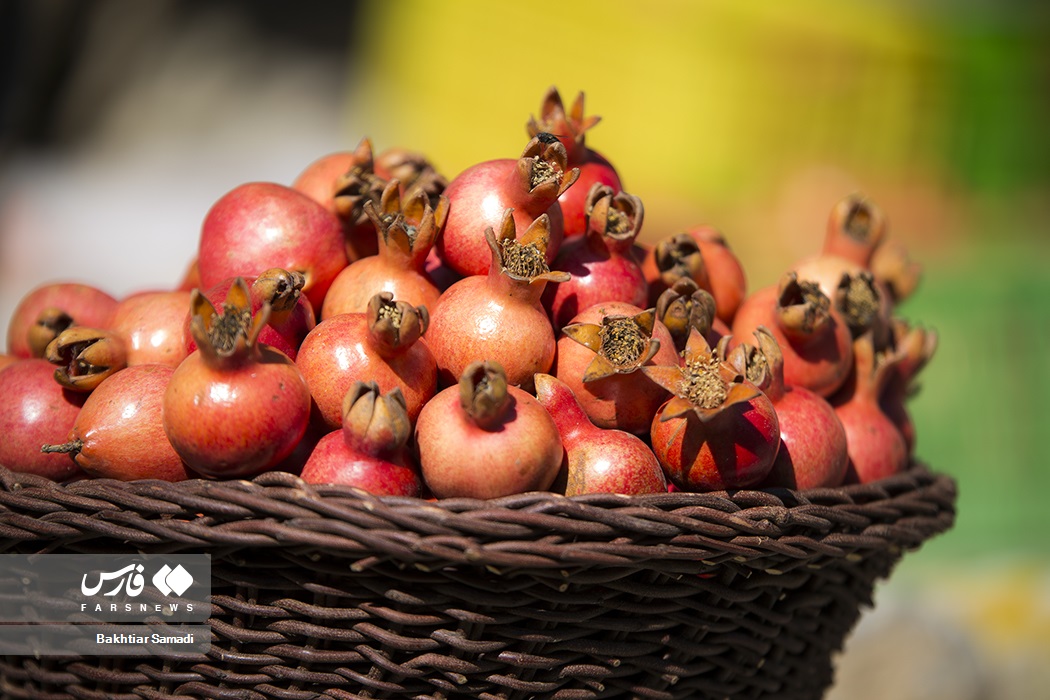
(329, 592)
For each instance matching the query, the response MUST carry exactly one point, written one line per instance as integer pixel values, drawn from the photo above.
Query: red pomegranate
(599, 356)
(718, 431)
(724, 271)
(79, 303)
(370, 450)
(498, 316)
(153, 327)
(383, 345)
(601, 263)
(36, 411)
(234, 407)
(262, 225)
(570, 129)
(484, 438)
(481, 194)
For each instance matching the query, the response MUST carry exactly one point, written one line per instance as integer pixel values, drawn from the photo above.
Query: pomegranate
(291, 314)
(895, 271)
(570, 129)
(49, 324)
(406, 235)
(915, 346)
(718, 431)
(672, 258)
(85, 357)
(597, 461)
(684, 306)
(342, 182)
(152, 326)
(724, 271)
(119, 433)
(369, 451)
(261, 225)
(856, 227)
(481, 194)
(383, 345)
(601, 264)
(599, 357)
(484, 438)
(815, 343)
(876, 447)
(234, 407)
(6, 360)
(812, 451)
(498, 316)
(84, 304)
(36, 411)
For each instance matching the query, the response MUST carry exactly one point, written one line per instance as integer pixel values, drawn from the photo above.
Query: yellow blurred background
(755, 117)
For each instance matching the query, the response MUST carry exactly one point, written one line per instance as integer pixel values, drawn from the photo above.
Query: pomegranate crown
(543, 168)
(357, 185)
(376, 423)
(684, 306)
(621, 344)
(523, 258)
(616, 217)
(85, 356)
(230, 335)
(704, 385)
(570, 128)
(395, 325)
(801, 306)
(407, 225)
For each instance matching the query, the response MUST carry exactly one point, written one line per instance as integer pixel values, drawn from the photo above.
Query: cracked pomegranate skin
(239, 421)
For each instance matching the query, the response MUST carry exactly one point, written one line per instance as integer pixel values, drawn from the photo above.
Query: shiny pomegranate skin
(260, 225)
(333, 461)
(36, 411)
(88, 305)
(594, 169)
(152, 326)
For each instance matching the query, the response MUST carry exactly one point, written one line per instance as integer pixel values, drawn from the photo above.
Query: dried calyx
(570, 128)
(892, 265)
(49, 323)
(85, 357)
(703, 385)
(614, 217)
(678, 256)
(685, 306)
(621, 344)
(761, 364)
(543, 168)
(358, 185)
(407, 224)
(859, 301)
(395, 325)
(523, 258)
(281, 289)
(414, 171)
(802, 308)
(228, 336)
(483, 393)
(373, 422)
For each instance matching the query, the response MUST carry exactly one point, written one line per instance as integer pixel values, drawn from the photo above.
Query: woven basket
(328, 592)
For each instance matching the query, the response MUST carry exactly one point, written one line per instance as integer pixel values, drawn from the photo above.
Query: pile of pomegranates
(375, 324)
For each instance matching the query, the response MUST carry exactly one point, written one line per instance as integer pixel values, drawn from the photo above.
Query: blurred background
(121, 122)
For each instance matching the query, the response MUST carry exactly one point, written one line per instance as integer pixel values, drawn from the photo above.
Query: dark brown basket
(327, 592)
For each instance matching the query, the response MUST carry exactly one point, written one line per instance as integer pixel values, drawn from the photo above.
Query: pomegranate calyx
(542, 169)
(483, 393)
(858, 299)
(395, 326)
(677, 256)
(413, 170)
(358, 185)
(915, 344)
(570, 128)
(621, 344)
(523, 258)
(802, 309)
(855, 228)
(49, 323)
(228, 336)
(614, 217)
(683, 306)
(85, 357)
(281, 288)
(892, 265)
(375, 423)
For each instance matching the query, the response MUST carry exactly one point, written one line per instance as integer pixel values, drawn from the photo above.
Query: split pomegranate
(383, 345)
(814, 341)
(262, 225)
(36, 411)
(484, 438)
(599, 358)
(234, 407)
(370, 450)
(79, 303)
(876, 447)
(570, 129)
(812, 451)
(718, 431)
(406, 234)
(498, 316)
(119, 432)
(601, 264)
(597, 460)
(481, 194)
